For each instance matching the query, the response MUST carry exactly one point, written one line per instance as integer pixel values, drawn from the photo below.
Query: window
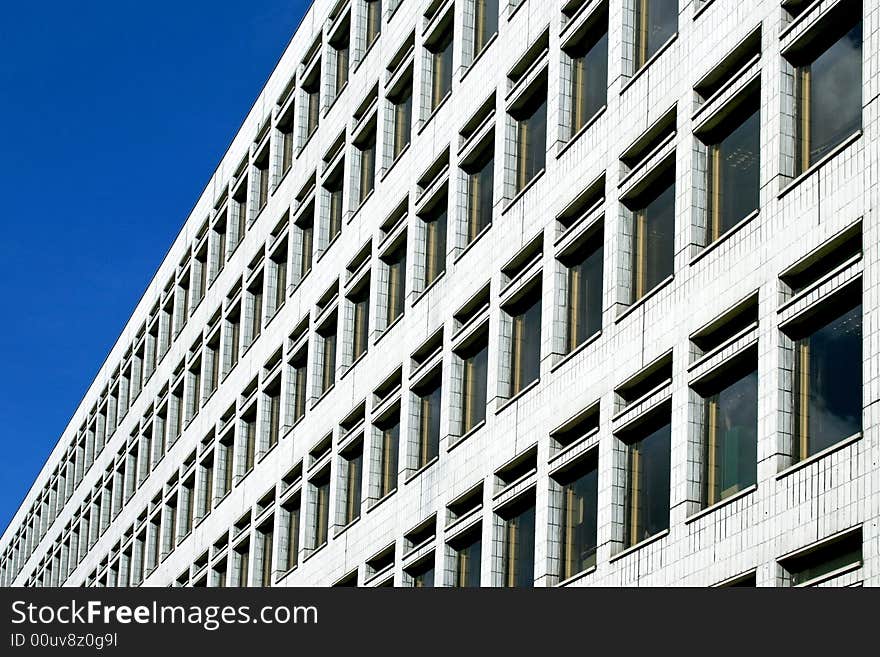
(435, 243)
(525, 348)
(360, 320)
(195, 391)
(291, 528)
(278, 279)
(475, 369)
(224, 465)
(366, 149)
(656, 22)
(321, 516)
(373, 21)
(828, 380)
(248, 441)
(238, 228)
(266, 536)
(733, 184)
(467, 555)
(273, 403)
(353, 463)
(518, 546)
(647, 483)
(396, 286)
(653, 239)
(584, 298)
(285, 128)
(731, 435)
(422, 574)
(531, 140)
(341, 51)
(578, 518)
(212, 362)
(485, 23)
(440, 52)
(313, 105)
(298, 373)
(334, 215)
(232, 340)
(305, 234)
(389, 446)
(589, 77)
(402, 120)
(827, 559)
(428, 447)
(261, 172)
(829, 94)
(255, 311)
(328, 358)
(241, 563)
(480, 194)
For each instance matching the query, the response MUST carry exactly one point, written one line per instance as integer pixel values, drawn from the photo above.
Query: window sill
(470, 67)
(305, 143)
(638, 546)
(654, 291)
(511, 11)
(387, 170)
(329, 107)
(282, 179)
(421, 295)
(366, 53)
(843, 570)
(421, 470)
(388, 328)
(281, 576)
(360, 206)
(263, 454)
(580, 575)
(471, 244)
(346, 527)
(434, 112)
(583, 130)
(298, 284)
(706, 250)
(314, 551)
(822, 161)
(662, 49)
(574, 352)
(455, 441)
(818, 456)
(322, 396)
(327, 248)
(353, 363)
(702, 513)
(522, 393)
(381, 500)
(525, 190)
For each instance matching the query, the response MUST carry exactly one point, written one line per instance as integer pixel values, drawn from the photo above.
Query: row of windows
(822, 363)
(825, 116)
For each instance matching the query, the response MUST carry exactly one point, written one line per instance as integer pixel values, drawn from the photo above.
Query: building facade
(506, 293)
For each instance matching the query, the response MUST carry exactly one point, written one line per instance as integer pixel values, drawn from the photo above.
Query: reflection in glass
(473, 387)
(578, 521)
(653, 239)
(656, 22)
(585, 294)
(480, 198)
(647, 490)
(828, 383)
(589, 80)
(429, 425)
(441, 69)
(467, 562)
(354, 465)
(731, 439)
(525, 353)
(733, 176)
(402, 122)
(531, 142)
(829, 98)
(485, 23)
(518, 554)
(396, 284)
(389, 444)
(435, 245)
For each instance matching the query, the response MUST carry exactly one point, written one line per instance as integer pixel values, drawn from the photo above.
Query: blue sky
(114, 115)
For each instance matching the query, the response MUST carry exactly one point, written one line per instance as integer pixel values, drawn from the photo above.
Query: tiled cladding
(291, 405)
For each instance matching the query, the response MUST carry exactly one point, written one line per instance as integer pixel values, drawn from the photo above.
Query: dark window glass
(647, 486)
(441, 69)
(429, 425)
(653, 240)
(475, 366)
(485, 23)
(467, 562)
(396, 284)
(828, 383)
(531, 142)
(423, 577)
(656, 22)
(731, 438)
(480, 198)
(360, 322)
(435, 246)
(733, 176)
(589, 80)
(525, 365)
(838, 554)
(354, 465)
(578, 521)
(328, 364)
(390, 442)
(518, 554)
(585, 295)
(368, 167)
(829, 97)
(402, 122)
(322, 513)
